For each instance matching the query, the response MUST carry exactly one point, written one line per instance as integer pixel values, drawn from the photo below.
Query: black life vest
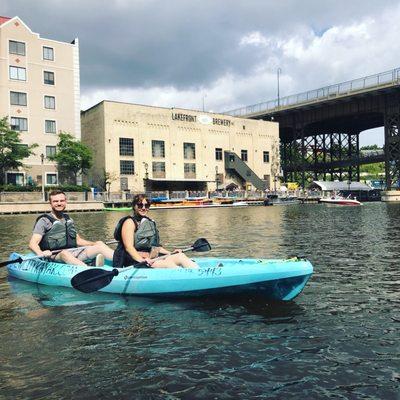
(146, 236)
(146, 233)
(61, 235)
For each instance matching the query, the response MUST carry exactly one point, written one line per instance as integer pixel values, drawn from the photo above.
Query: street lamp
(146, 169)
(42, 159)
(275, 181)
(278, 72)
(204, 96)
(216, 176)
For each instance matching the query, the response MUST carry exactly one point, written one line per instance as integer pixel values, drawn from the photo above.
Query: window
(126, 167)
(218, 154)
(18, 99)
(50, 151)
(158, 169)
(244, 155)
(17, 73)
(266, 156)
(48, 53)
(17, 48)
(50, 126)
(158, 148)
(51, 178)
(15, 178)
(48, 78)
(50, 102)
(189, 170)
(125, 147)
(19, 124)
(124, 183)
(189, 151)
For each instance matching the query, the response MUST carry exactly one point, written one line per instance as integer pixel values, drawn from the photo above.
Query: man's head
(58, 200)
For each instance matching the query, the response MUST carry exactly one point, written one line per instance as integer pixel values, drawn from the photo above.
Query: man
(56, 230)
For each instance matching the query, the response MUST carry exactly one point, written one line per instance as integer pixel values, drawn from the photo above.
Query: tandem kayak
(273, 279)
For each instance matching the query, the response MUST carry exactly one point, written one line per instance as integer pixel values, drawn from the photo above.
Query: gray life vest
(61, 235)
(146, 234)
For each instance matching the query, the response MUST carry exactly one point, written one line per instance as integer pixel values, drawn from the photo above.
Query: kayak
(273, 279)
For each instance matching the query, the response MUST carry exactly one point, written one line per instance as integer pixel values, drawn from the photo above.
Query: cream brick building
(39, 92)
(153, 148)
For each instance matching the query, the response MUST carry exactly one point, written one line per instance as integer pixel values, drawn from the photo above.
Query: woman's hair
(138, 198)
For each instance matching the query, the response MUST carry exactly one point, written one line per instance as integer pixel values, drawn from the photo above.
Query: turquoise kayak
(273, 279)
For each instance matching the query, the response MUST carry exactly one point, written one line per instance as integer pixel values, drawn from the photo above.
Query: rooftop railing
(383, 79)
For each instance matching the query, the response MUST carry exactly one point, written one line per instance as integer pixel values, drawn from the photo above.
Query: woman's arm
(80, 241)
(127, 232)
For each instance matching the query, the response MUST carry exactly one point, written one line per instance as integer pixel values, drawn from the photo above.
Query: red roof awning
(4, 19)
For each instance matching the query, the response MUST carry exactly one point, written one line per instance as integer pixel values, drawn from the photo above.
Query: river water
(338, 339)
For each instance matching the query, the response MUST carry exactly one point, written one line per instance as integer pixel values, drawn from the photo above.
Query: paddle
(94, 279)
(19, 260)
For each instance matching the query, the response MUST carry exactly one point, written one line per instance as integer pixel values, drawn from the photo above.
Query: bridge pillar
(392, 149)
(315, 156)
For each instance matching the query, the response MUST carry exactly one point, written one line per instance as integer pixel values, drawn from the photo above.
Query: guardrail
(383, 79)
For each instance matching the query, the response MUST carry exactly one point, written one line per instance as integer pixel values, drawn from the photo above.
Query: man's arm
(34, 246)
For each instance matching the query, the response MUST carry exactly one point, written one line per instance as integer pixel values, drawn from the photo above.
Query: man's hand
(45, 253)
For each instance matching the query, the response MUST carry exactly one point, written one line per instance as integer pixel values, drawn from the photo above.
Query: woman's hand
(148, 261)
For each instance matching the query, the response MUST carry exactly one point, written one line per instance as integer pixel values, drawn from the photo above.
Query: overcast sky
(225, 53)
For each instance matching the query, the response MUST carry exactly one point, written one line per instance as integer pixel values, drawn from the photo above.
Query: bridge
(319, 129)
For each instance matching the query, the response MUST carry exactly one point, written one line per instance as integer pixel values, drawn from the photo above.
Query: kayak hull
(273, 279)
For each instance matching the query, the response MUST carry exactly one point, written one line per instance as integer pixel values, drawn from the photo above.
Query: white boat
(340, 200)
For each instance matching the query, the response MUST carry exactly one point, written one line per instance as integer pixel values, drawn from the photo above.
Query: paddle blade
(201, 245)
(15, 261)
(92, 279)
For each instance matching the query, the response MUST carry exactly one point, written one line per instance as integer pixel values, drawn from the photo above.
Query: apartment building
(154, 148)
(39, 93)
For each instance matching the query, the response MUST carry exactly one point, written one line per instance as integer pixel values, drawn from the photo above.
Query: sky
(220, 54)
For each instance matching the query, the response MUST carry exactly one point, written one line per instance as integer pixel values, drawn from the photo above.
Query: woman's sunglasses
(143, 205)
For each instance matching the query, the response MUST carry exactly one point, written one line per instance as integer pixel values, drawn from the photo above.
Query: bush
(18, 188)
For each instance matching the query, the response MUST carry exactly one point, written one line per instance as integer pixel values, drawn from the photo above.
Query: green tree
(72, 157)
(12, 151)
(371, 147)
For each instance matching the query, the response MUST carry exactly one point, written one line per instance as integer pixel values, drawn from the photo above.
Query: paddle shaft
(92, 280)
(20, 259)
(167, 255)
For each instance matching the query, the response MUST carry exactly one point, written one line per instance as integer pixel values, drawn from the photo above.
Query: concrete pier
(41, 207)
(391, 195)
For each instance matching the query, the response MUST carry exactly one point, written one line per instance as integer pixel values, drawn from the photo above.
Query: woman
(139, 242)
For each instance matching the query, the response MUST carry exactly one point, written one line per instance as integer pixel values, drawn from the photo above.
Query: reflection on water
(338, 339)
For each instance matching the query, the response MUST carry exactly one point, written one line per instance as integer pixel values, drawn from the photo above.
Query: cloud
(174, 53)
(254, 39)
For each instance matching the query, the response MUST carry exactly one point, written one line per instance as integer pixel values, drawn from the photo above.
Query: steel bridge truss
(323, 156)
(392, 150)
